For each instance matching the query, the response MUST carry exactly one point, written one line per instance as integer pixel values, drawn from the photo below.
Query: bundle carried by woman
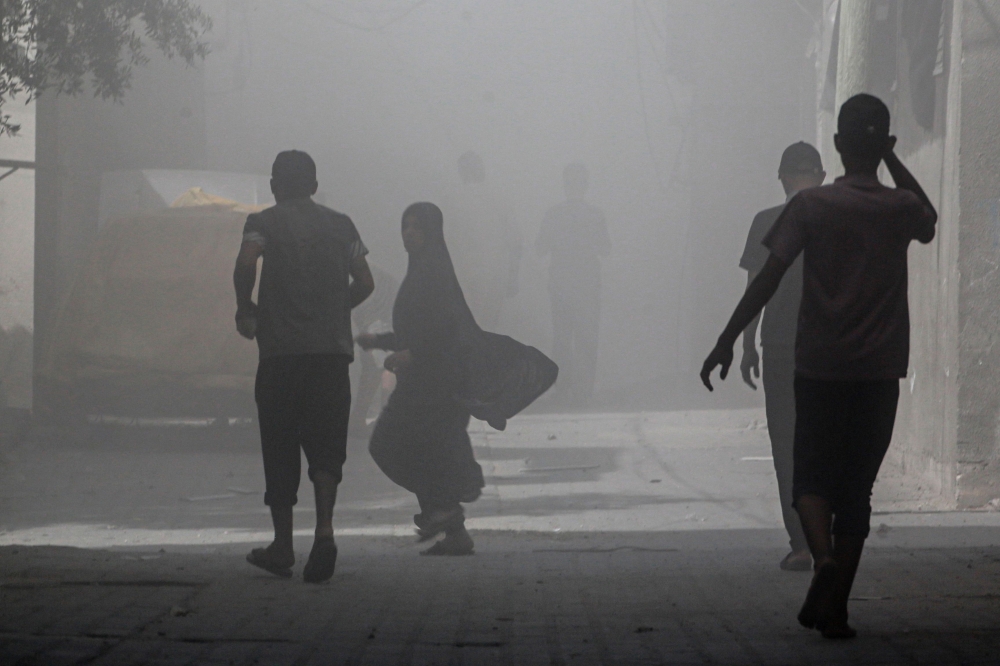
(496, 376)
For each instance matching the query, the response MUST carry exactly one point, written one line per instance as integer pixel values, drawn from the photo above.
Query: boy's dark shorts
(842, 431)
(303, 400)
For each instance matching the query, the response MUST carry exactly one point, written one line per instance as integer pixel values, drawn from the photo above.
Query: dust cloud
(679, 111)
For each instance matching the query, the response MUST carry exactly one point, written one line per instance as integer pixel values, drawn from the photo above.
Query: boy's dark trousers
(576, 322)
(778, 379)
(303, 405)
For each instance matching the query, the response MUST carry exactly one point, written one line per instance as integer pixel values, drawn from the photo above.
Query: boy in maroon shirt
(852, 344)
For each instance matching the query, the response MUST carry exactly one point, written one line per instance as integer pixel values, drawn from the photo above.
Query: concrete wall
(948, 427)
(925, 435)
(924, 447)
(978, 446)
(17, 235)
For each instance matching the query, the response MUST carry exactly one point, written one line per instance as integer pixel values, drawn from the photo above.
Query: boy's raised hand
(890, 146)
(722, 355)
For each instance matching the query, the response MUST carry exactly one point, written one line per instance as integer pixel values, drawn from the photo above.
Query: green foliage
(65, 45)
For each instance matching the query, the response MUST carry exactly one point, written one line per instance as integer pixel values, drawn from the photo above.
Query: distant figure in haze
(421, 438)
(800, 168)
(314, 271)
(486, 243)
(575, 236)
(372, 316)
(852, 346)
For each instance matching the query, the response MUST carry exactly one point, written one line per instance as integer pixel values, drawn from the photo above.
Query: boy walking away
(314, 271)
(800, 168)
(852, 346)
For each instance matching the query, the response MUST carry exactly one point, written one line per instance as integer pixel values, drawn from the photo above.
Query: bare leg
(278, 557)
(281, 516)
(817, 518)
(325, 487)
(323, 556)
(847, 551)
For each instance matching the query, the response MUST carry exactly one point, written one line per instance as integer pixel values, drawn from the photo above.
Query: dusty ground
(611, 539)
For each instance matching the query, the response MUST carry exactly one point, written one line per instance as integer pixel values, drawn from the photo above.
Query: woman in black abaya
(420, 439)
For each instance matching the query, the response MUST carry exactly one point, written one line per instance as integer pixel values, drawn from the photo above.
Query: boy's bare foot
(839, 631)
(797, 560)
(322, 561)
(818, 597)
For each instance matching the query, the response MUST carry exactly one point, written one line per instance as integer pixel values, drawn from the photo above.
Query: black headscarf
(430, 315)
(498, 376)
(431, 273)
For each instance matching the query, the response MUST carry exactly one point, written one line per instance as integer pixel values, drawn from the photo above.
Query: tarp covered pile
(154, 303)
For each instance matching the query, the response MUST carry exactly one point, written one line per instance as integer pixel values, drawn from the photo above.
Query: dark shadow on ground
(588, 598)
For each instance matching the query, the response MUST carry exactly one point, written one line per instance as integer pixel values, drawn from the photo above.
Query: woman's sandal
(452, 545)
(839, 631)
(322, 561)
(428, 529)
(265, 559)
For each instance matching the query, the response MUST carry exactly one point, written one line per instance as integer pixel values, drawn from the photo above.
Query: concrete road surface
(600, 539)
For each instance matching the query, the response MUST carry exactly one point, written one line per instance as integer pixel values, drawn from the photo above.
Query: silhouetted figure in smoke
(314, 271)
(575, 236)
(421, 440)
(372, 316)
(486, 241)
(800, 168)
(852, 345)
(448, 369)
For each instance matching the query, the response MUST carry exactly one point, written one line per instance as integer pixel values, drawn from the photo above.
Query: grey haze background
(680, 110)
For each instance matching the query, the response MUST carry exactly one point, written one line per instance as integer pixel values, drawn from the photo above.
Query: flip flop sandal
(819, 591)
(322, 561)
(443, 547)
(262, 557)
